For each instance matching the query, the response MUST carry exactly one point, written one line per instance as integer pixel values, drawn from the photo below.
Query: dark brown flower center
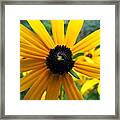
(89, 55)
(59, 60)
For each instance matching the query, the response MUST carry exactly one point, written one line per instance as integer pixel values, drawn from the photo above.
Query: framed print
(60, 59)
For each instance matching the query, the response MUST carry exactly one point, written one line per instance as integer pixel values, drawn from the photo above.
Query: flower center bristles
(59, 60)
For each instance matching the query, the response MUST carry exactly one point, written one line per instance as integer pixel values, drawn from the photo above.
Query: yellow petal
(79, 62)
(89, 60)
(39, 28)
(35, 85)
(30, 62)
(31, 90)
(27, 36)
(26, 73)
(30, 51)
(88, 85)
(97, 52)
(91, 70)
(41, 52)
(27, 54)
(53, 88)
(92, 45)
(58, 31)
(43, 96)
(28, 68)
(97, 59)
(21, 57)
(73, 29)
(29, 79)
(88, 73)
(87, 43)
(67, 90)
(88, 68)
(92, 51)
(42, 86)
(70, 88)
(81, 58)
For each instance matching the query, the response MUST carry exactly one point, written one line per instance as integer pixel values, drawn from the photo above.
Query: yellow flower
(93, 56)
(49, 59)
(89, 85)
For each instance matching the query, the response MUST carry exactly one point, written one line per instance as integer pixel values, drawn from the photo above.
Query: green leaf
(47, 25)
(65, 25)
(61, 92)
(92, 95)
(26, 24)
(97, 47)
(74, 74)
(21, 75)
(78, 85)
(65, 96)
(22, 94)
(77, 55)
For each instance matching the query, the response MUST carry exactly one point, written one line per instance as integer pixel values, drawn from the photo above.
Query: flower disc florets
(59, 60)
(89, 55)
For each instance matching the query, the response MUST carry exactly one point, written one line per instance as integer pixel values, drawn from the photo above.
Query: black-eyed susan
(49, 59)
(93, 56)
(89, 84)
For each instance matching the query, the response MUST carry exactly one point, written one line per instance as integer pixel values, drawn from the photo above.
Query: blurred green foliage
(47, 25)
(22, 94)
(21, 75)
(89, 26)
(26, 24)
(92, 95)
(63, 95)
